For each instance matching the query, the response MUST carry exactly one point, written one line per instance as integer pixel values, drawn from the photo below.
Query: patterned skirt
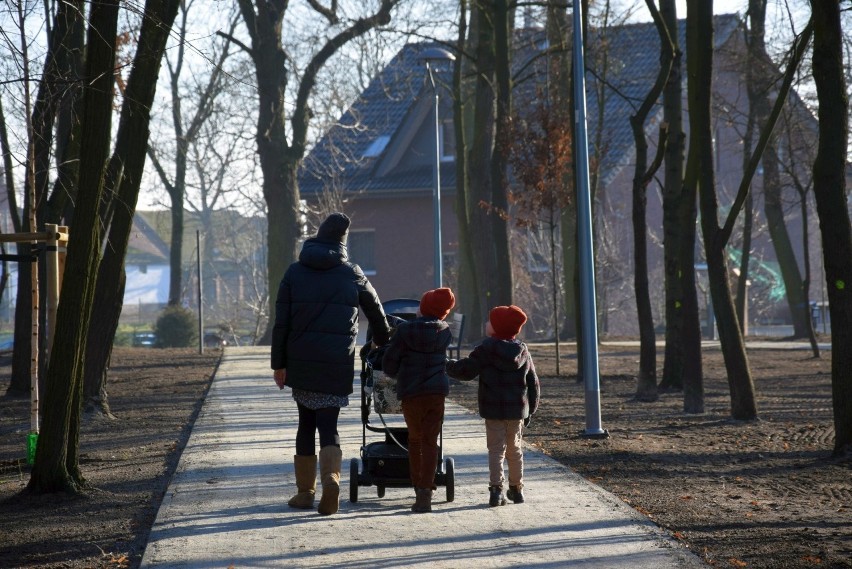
(314, 400)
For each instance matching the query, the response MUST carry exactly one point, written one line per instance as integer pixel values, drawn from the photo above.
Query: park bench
(456, 323)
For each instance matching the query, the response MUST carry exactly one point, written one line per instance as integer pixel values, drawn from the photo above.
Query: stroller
(384, 464)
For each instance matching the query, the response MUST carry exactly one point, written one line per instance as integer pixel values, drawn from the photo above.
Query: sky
(719, 7)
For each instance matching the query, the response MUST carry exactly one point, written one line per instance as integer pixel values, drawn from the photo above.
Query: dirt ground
(762, 494)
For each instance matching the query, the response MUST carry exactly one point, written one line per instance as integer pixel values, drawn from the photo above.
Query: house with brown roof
(378, 160)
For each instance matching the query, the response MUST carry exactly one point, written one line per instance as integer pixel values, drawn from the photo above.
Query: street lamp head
(436, 54)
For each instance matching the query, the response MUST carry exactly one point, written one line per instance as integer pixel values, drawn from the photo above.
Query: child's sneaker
(496, 496)
(516, 494)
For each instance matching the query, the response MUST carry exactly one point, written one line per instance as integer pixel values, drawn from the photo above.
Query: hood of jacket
(321, 254)
(424, 334)
(506, 355)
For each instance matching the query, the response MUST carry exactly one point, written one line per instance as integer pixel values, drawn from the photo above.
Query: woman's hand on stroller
(280, 377)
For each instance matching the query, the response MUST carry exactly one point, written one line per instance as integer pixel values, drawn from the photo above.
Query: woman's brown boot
(306, 481)
(330, 458)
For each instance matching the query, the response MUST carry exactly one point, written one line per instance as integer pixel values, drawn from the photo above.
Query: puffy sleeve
(533, 388)
(464, 369)
(369, 301)
(392, 357)
(281, 328)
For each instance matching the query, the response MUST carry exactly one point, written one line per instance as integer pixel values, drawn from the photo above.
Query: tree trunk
(481, 150)
(52, 89)
(774, 209)
(755, 33)
(67, 151)
(19, 383)
(688, 324)
(124, 180)
(55, 467)
(467, 285)
(741, 299)
(806, 260)
(176, 247)
(560, 94)
(503, 28)
(700, 68)
(100, 336)
(758, 78)
(646, 388)
(678, 230)
(830, 192)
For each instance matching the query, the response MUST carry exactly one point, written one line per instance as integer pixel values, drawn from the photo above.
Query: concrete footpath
(226, 505)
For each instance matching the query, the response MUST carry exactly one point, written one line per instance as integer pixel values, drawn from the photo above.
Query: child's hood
(425, 334)
(506, 355)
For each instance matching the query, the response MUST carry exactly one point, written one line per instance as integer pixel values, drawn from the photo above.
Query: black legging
(310, 421)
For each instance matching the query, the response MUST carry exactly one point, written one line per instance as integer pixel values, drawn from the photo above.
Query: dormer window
(377, 146)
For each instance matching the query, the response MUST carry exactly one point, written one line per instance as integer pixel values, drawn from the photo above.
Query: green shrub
(176, 327)
(122, 338)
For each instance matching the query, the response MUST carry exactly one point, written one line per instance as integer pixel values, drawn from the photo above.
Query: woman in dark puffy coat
(416, 357)
(313, 351)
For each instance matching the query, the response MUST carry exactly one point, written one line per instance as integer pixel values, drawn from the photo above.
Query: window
(361, 250)
(377, 146)
(448, 141)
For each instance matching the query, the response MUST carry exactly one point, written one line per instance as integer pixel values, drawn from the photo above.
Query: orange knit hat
(507, 321)
(437, 303)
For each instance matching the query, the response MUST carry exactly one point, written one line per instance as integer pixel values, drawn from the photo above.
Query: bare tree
(830, 192)
(682, 367)
(794, 167)
(55, 88)
(487, 228)
(646, 387)
(56, 465)
(560, 93)
(700, 174)
(540, 154)
(122, 183)
(202, 97)
(758, 71)
(281, 150)
(463, 103)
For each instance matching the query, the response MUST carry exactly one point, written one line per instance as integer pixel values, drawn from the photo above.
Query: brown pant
(423, 417)
(504, 440)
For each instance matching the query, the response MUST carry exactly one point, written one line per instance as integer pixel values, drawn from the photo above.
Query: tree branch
(330, 14)
(301, 115)
(236, 42)
(800, 44)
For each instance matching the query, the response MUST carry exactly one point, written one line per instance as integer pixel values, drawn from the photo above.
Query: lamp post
(585, 246)
(430, 56)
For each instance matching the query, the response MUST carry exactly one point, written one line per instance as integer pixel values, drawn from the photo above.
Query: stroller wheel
(353, 480)
(381, 491)
(449, 475)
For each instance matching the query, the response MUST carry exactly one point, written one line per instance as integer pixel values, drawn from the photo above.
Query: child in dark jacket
(508, 396)
(416, 358)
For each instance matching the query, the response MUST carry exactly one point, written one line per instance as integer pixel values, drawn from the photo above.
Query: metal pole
(200, 299)
(588, 309)
(436, 193)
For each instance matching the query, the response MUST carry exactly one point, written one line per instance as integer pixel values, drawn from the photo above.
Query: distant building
(379, 159)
